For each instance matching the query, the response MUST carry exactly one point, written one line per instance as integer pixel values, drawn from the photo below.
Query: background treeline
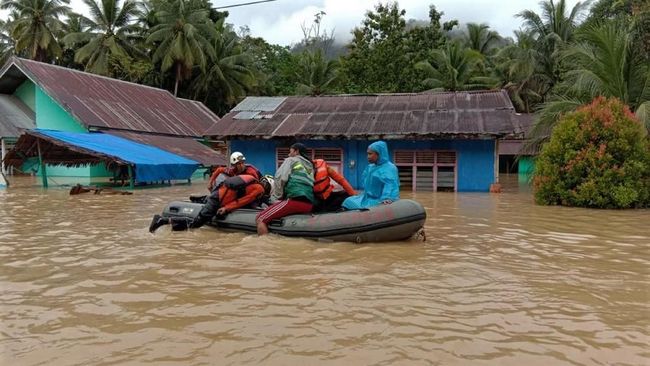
(560, 58)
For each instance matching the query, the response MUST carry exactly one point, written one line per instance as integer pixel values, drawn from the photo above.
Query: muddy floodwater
(498, 281)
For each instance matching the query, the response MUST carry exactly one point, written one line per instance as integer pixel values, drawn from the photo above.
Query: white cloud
(279, 22)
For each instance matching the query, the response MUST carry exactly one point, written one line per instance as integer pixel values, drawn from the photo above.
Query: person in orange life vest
(328, 200)
(232, 193)
(237, 166)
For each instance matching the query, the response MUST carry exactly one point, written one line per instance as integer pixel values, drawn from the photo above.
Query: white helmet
(268, 182)
(236, 157)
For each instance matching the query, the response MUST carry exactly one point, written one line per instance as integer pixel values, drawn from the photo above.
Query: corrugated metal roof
(483, 113)
(183, 146)
(110, 103)
(200, 110)
(14, 117)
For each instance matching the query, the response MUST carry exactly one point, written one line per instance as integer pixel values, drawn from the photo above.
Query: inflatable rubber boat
(399, 220)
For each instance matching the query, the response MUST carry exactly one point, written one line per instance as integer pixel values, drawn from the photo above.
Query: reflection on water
(498, 281)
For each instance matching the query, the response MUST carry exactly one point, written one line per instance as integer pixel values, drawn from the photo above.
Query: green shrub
(598, 156)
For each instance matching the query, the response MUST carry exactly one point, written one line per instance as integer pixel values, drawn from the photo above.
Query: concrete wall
(475, 158)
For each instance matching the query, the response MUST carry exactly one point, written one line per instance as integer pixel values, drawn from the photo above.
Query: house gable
(27, 94)
(50, 115)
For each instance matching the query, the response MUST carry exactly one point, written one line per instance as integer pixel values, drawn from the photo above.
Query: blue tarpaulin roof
(151, 163)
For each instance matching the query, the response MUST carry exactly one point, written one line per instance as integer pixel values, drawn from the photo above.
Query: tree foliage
(453, 68)
(181, 40)
(229, 75)
(35, 26)
(383, 52)
(598, 156)
(109, 32)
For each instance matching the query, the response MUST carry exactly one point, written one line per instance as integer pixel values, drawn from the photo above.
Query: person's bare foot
(262, 229)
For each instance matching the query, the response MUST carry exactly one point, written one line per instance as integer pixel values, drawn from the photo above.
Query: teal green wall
(526, 168)
(90, 171)
(50, 115)
(26, 94)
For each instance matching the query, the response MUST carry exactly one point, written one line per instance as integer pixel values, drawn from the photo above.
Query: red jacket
(229, 197)
(230, 171)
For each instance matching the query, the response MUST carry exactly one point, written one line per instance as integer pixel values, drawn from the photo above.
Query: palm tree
(6, 43)
(109, 34)
(316, 75)
(453, 68)
(480, 38)
(36, 25)
(182, 39)
(516, 70)
(229, 75)
(552, 30)
(75, 23)
(604, 62)
(147, 18)
(554, 19)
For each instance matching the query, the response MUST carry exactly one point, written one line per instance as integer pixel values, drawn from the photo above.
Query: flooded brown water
(499, 280)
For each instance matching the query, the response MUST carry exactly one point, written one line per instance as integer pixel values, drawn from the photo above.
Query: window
(426, 170)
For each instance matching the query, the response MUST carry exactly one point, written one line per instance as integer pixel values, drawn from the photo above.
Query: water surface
(499, 280)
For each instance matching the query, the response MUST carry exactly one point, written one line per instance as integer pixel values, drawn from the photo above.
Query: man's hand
(222, 211)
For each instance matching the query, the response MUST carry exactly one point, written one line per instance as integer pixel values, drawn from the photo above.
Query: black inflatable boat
(396, 221)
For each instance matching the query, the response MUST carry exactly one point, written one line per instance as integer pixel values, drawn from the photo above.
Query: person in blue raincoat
(380, 180)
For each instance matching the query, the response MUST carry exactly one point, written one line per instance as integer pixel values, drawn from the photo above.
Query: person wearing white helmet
(235, 192)
(237, 157)
(238, 166)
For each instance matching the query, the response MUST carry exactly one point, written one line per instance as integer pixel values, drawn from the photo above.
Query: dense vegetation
(597, 156)
(561, 57)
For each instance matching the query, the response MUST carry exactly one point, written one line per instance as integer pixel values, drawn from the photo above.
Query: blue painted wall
(475, 157)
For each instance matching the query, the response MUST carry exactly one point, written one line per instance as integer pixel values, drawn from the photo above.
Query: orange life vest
(249, 170)
(322, 186)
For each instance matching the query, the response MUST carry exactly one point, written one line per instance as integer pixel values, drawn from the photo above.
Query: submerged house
(55, 99)
(515, 156)
(15, 117)
(439, 141)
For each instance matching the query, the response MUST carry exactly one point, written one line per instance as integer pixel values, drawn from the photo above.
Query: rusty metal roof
(183, 146)
(106, 103)
(199, 110)
(14, 117)
(424, 115)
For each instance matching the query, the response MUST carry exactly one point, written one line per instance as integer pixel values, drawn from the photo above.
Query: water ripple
(498, 281)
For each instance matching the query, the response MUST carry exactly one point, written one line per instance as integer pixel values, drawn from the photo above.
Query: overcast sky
(279, 21)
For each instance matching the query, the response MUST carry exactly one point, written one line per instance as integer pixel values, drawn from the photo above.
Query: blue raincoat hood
(381, 149)
(380, 181)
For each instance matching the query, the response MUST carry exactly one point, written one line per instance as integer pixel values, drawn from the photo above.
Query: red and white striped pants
(282, 209)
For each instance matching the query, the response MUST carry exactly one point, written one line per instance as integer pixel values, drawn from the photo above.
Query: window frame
(399, 156)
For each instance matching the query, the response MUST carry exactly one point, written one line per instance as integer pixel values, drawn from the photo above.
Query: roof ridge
(23, 60)
(487, 91)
